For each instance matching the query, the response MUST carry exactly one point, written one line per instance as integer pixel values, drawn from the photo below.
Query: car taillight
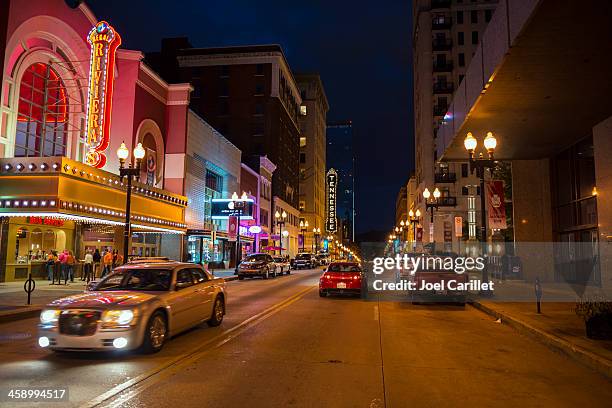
(356, 277)
(327, 276)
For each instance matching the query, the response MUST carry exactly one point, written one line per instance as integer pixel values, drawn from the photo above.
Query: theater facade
(70, 96)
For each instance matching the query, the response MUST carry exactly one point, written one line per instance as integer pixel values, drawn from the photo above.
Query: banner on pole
(232, 228)
(495, 204)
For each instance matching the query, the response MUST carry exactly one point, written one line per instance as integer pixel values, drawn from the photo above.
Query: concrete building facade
(446, 34)
(313, 119)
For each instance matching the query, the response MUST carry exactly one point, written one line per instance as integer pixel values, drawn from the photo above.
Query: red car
(341, 277)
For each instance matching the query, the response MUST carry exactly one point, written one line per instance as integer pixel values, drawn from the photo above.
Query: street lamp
(303, 229)
(280, 221)
(431, 205)
(317, 234)
(480, 164)
(414, 220)
(130, 172)
(237, 205)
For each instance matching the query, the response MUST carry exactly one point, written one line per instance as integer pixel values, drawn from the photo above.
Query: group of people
(61, 266)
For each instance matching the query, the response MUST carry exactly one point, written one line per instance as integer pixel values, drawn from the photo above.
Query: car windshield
(156, 280)
(303, 256)
(279, 259)
(350, 268)
(256, 258)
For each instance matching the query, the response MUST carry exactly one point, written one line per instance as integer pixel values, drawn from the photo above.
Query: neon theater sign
(331, 223)
(104, 42)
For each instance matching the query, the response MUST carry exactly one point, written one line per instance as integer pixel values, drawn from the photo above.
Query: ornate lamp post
(317, 233)
(130, 172)
(431, 205)
(280, 221)
(303, 229)
(480, 164)
(414, 220)
(237, 204)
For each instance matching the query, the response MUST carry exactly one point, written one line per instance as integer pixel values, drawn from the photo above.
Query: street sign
(458, 227)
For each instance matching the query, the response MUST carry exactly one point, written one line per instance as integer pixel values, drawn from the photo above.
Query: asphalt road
(282, 345)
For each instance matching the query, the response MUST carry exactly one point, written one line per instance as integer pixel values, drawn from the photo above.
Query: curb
(33, 311)
(577, 353)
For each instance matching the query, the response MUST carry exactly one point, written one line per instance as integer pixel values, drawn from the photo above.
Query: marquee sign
(331, 222)
(104, 42)
(221, 209)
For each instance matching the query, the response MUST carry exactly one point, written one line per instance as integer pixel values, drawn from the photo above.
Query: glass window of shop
(35, 244)
(574, 199)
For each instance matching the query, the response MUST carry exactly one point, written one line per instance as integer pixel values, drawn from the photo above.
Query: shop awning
(61, 188)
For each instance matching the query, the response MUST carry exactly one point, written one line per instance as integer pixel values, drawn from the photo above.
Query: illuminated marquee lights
(104, 42)
(331, 222)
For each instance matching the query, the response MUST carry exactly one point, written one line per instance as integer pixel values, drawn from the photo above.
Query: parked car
(341, 277)
(322, 259)
(305, 260)
(438, 277)
(282, 264)
(258, 264)
(138, 306)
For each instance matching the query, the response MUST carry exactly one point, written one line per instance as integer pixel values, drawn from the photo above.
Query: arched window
(43, 113)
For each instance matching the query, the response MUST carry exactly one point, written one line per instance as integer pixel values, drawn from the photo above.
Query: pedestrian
(88, 266)
(70, 263)
(63, 257)
(51, 258)
(108, 263)
(96, 263)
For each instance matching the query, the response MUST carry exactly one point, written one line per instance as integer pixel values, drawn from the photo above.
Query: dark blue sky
(361, 49)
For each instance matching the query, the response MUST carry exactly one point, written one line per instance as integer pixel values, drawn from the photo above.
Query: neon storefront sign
(104, 41)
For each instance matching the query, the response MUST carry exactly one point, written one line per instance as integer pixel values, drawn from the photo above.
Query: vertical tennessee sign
(331, 223)
(104, 41)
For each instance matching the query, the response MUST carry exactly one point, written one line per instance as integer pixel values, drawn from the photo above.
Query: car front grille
(78, 323)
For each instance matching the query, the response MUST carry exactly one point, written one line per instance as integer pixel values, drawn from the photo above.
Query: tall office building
(313, 114)
(249, 95)
(341, 157)
(445, 36)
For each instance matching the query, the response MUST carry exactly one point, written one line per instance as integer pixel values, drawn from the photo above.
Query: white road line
(376, 313)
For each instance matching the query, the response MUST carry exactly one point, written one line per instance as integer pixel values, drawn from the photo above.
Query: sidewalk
(557, 326)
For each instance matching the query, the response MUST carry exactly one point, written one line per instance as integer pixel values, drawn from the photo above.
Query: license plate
(341, 285)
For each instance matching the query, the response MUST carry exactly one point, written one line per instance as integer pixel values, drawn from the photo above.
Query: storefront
(215, 249)
(53, 203)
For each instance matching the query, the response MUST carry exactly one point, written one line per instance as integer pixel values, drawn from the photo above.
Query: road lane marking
(155, 375)
(376, 313)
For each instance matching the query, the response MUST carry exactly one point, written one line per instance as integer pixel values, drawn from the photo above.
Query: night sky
(362, 51)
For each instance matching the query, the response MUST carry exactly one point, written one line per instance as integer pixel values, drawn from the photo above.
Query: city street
(282, 345)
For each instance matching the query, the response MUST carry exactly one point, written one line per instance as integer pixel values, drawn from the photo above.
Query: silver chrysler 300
(139, 306)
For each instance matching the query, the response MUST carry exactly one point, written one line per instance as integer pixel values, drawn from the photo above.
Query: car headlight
(49, 316)
(115, 318)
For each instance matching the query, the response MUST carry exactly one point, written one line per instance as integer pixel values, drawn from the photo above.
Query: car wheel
(274, 273)
(217, 313)
(289, 271)
(240, 277)
(155, 333)
(266, 275)
(322, 293)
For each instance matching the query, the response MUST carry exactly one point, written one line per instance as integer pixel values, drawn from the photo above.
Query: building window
(303, 110)
(461, 59)
(224, 71)
(474, 17)
(460, 38)
(260, 69)
(42, 119)
(465, 191)
(258, 129)
(259, 89)
(302, 158)
(460, 17)
(224, 91)
(302, 141)
(259, 110)
(474, 37)
(464, 170)
(214, 181)
(488, 15)
(302, 205)
(303, 94)
(223, 108)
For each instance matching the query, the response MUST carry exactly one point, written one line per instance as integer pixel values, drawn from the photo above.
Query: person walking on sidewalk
(70, 263)
(96, 263)
(108, 263)
(51, 258)
(63, 257)
(87, 266)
